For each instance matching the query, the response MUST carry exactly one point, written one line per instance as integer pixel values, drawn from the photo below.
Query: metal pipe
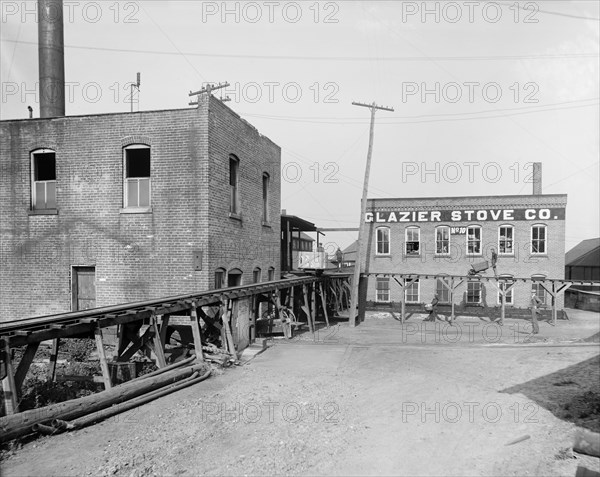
(51, 58)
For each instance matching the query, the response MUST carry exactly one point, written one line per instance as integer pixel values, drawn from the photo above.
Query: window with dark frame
(43, 187)
(505, 240)
(265, 189)
(442, 240)
(271, 274)
(538, 239)
(473, 293)
(383, 241)
(234, 165)
(137, 176)
(413, 239)
(382, 290)
(256, 275)
(474, 240)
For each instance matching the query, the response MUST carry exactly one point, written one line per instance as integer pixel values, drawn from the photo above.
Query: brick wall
(242, 242)
(521, 264)
(137, 256)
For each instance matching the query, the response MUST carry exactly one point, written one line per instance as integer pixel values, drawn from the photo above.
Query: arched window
(412, 240)
(234, 277)
(257, 275)
(43, 179)
(136, 176)
(538, 239)
(271, 274)
(506, 238)
(220, 278)
(383, 241)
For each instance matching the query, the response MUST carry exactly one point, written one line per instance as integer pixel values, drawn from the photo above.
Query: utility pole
(358, 267)
(208, 89)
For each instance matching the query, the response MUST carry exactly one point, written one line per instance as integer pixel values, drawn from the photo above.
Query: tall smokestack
(537, 178)
(51, 58)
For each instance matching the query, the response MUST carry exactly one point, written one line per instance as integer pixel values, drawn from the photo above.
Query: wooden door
(84, 288)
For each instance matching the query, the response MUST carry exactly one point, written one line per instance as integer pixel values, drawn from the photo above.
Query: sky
(479, 90)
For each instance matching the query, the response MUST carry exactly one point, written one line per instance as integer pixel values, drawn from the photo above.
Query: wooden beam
(102, 356)
(24, 365)
(158, 346)
(53, 358)
(197, 336)
(324, 302)
(164, 325)
(306, 309)
(9, 388)
(136, 345)
(226, 320)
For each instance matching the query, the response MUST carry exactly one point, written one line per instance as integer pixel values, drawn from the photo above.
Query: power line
(548, 12)
(436, 117)
(326, 58)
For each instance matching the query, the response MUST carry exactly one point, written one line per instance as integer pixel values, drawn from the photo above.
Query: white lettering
(529, 214)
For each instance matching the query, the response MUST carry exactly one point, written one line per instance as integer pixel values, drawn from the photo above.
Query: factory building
(449, 235)
(113, 208)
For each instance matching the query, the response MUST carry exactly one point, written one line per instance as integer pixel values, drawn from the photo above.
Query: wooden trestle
(129, 319)
(504, 284)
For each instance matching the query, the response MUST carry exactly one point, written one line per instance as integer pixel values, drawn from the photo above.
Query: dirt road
(367, 402)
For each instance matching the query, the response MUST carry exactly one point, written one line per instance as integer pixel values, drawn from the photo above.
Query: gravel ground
(362, 402)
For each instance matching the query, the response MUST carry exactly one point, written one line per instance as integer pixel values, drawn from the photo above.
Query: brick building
(104, 209)
(447, 235)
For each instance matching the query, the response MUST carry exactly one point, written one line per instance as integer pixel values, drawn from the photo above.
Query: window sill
(412, 255)
(136, 210)
(383, 255)
(264, 223)
(543, 255)
(43, 212)
(441, 255)
(474, 305)
(235, 216)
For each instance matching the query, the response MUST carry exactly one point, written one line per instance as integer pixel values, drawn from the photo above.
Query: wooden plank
(53, 358)
(197, 335)
(9, 389)
(24, 365)
(158, 346)
(164, 324)
(226, 319)
(102, 356)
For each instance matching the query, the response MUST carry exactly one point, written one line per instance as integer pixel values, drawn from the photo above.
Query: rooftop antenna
(137, 86)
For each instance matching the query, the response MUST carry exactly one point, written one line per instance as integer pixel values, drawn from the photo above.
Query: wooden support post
(158, 346)
(163, 329)
(502, 305)
(226, 320)
(324, 303)
(8, 383)
(197, 335)
(102, 356)
(53, 359)
(24, 365)
(313, 302)
(402, 283)
(306, 309)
